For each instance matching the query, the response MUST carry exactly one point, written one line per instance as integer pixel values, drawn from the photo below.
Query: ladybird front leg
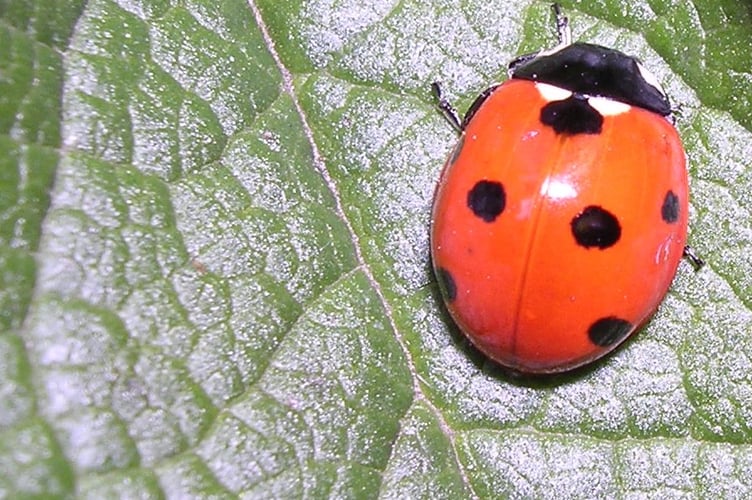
(450, 112)
(563, 34)
(446, 108)
(693, 258)
(563, 31)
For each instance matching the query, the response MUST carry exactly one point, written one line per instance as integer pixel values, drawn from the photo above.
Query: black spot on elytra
(446, 284)
(487, 200)
(608, 331)
(573, 115)
(596, 227)
(670, 208)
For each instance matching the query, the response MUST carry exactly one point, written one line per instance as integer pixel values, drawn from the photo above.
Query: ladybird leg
(446, 108)
(677, 113)
(563, 33)
(693, 258)
(562, 26)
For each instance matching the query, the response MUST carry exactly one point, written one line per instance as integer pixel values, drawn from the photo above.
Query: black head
(593, 70)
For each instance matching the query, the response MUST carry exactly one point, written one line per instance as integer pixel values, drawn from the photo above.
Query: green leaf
(214, 271)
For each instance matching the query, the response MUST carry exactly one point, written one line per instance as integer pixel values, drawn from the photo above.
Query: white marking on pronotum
(650, 78)
(604, 105)
(551, 93)
(608, 107)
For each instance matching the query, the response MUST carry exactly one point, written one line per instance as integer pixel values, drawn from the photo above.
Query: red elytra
(561, 216)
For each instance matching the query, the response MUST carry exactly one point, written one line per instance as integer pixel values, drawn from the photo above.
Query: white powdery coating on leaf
(390, 149)
(422, 461)
(166, 385)
(590, 405)
(719, 365)
(157, 437)
(240, 458)
(83, 77)
(408, 252)
(272, 140)
(410, 167)
(408, 460)
(154, 127)
(89, 36)
(669, 324)
(724, 154)
(211, 16)
(638, 388)
(80, 187)
(393, 157)
(202, 67)
(67, 391)
(262, 314)
(403, 196)
(211, 365)
(722, 159)
(95, 440)
(17, 398)
(336, 368)
(659, 468)
(640, 10)
(471, 395)
(266, 190)
(725, 471)
(330, 95)
(212, 230)
(327, 25)
(731, 227)
(649, 382)
(261, 217)
(524, 465)
(82, 260)
(499, 21)
(135, 7)
(423, 42)
(370, 127)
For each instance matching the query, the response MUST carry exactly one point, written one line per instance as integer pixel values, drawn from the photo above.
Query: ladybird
(560, 217)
